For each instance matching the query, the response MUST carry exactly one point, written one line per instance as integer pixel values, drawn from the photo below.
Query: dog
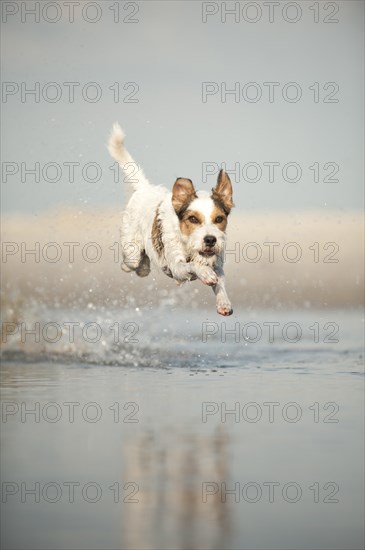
(182, 232)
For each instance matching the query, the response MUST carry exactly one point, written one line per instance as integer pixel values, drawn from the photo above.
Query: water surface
(177, 442)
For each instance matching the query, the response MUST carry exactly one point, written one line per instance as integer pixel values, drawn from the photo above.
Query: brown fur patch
(186, 226)
(222, 193)
(183, 193)
(219, 211)
(156, 235)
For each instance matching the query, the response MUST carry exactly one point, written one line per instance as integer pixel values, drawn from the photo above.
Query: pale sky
(163, 60)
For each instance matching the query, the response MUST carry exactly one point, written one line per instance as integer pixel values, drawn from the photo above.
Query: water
(151, 447)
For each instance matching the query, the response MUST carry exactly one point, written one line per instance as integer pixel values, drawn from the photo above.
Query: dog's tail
(134, 173)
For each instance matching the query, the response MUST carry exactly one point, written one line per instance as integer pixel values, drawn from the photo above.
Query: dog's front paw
(207, 275)
(224, 308)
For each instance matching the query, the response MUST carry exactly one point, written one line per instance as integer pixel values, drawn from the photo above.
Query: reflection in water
(171, 512)
(170, 452)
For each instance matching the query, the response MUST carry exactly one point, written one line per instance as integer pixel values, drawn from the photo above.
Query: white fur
(195, 243)
(181, 258)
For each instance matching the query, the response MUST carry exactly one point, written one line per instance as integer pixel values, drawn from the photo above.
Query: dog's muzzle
(209, 242)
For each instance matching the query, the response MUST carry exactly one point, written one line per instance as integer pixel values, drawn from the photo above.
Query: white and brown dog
(182, 232)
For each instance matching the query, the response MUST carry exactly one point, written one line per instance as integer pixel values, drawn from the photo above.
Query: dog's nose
(210, 240)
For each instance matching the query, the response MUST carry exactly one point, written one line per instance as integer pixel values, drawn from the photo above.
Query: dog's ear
(183, 193)
(222, 193)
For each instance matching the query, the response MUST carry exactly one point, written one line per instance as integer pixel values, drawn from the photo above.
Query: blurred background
(168, 52)
(272, 92)
(296, 166)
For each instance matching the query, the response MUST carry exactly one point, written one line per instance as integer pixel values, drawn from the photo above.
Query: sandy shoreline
(280, 260)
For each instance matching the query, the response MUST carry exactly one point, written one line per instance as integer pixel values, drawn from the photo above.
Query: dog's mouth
(207, 252)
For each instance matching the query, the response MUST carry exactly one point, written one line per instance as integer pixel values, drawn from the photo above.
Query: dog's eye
(193, 219)
(219, 219)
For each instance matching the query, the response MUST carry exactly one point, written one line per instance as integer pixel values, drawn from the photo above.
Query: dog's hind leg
(144, 266)
(134, 258)
(132, 245)
(132, 253)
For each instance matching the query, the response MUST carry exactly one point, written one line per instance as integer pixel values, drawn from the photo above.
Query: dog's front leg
(204, 273)
(222, 301)
(188, 271)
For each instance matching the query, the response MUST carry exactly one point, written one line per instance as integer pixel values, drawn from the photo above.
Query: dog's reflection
(170, 471)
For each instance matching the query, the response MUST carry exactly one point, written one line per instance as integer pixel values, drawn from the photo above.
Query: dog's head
(203, 216)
